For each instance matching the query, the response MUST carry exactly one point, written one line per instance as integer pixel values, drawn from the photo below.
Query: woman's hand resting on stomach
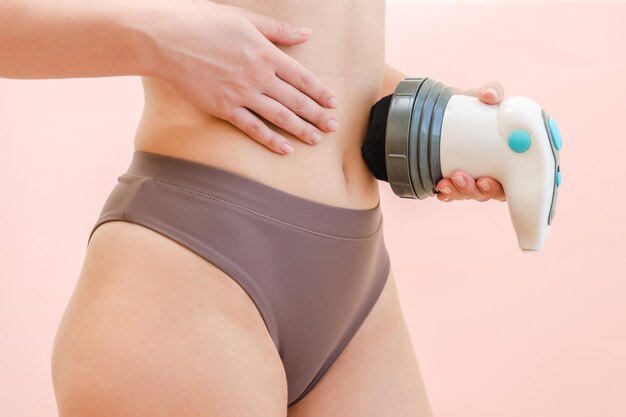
(463, 186)
(222, 59)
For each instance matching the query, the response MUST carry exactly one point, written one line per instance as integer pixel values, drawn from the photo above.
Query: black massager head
(373, 149)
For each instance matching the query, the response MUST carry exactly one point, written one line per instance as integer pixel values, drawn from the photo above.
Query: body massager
(423, 132)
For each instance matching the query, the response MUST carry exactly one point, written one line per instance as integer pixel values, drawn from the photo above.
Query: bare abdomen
(345, 51)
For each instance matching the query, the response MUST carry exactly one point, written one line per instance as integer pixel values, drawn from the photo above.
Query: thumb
(277, 31)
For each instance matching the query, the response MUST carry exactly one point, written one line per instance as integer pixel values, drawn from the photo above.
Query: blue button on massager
(556, 134)
(519, 141)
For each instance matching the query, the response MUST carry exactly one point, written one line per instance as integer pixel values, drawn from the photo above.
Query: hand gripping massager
(423, 132)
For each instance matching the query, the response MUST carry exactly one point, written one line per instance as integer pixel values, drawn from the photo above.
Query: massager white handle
(475, 138)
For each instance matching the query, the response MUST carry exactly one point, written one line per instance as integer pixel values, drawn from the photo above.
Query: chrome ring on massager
(412, 137)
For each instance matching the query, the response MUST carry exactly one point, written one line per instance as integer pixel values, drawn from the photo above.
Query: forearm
(74, 38)
(391, 79)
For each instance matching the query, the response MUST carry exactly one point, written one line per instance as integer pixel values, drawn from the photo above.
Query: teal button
(556, 134)
(558, 176)
(519, 141)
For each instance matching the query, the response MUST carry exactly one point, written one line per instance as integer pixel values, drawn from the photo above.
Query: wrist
(152, 25)
(142, 23)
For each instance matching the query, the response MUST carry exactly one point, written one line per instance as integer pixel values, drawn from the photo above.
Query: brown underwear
(314, 271)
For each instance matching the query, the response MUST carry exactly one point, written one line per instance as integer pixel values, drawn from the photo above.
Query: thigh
(152, 329)
(376, 375)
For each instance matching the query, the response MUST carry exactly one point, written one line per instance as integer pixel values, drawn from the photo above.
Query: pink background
(497, 332)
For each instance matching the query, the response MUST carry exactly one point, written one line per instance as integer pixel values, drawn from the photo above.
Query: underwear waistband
(256, 196)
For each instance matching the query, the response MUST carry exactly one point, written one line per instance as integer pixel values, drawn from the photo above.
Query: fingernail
(459, 181)
(446, 190)
(304, 31)
(332, 125)
(316, 137)
(333, 102)
(484, 185)
(491, 91)
(286, 147)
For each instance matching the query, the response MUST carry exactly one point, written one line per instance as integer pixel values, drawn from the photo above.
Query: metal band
(413, 135)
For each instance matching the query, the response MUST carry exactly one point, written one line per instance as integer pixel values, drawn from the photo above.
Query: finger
(257, 130)
(301, 104)
(474, 92)
(467, 186)
(466, 91)
(491, 187)
(294, 73)
(448, 191)
(284, 118)
(492, 92)
(276, 30)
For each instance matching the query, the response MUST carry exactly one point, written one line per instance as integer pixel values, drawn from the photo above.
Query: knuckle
(283, 117)
(265, 56)
(259, 67)
(281, 28)
(234, 118)
(274, 142)
(254, 129)
(304, 82)
(226, 115)
(299, 102)
(258, 75)
(307, 131)
(223, 104)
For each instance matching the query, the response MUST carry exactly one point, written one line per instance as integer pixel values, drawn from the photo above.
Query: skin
(108, 48)
(153, 329)
(299, 124)
(251, 74)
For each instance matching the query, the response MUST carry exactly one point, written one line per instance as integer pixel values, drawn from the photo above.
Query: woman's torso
(346, 52)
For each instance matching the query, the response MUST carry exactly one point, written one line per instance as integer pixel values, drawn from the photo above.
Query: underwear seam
(265, 216)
